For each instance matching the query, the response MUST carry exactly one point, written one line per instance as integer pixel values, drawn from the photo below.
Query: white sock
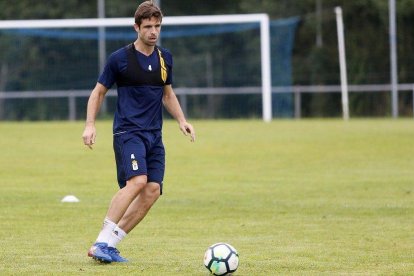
(107, 228)
(117, 235)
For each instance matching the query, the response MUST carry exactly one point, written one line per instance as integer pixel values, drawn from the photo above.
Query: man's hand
(89, 135)
(187, 128)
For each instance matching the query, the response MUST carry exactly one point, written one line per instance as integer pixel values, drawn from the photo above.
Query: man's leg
(136, 211)
(124, 197)
(139, 208)
(119, 204)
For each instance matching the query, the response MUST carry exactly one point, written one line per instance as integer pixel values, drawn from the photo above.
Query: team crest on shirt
(134, 165)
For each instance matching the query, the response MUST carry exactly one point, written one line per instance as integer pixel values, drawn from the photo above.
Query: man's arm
(94, 104)
(172, 105)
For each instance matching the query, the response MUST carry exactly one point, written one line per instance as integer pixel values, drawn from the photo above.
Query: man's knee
(152, 191)
(137, 183)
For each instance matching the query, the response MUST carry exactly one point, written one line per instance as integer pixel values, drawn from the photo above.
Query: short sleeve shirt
(140, 86)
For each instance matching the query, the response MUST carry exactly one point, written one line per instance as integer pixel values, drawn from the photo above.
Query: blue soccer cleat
(99, 252)
(114, 253)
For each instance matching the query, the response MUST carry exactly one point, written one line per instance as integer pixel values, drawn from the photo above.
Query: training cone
(70, 198)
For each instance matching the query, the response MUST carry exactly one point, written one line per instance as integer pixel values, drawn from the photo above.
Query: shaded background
(304, 52)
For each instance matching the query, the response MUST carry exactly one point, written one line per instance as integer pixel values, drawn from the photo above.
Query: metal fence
(182, 93)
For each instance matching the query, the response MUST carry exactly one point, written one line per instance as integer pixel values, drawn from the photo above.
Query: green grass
(308, 197)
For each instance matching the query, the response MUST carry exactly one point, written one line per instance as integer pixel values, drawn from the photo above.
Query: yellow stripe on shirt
(163, 68)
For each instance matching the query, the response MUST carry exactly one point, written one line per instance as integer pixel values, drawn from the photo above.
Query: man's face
(149, 31)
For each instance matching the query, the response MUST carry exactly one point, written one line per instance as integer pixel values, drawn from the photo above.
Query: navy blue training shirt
(140, 83)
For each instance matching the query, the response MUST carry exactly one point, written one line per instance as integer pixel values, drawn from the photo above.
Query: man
(143, 75)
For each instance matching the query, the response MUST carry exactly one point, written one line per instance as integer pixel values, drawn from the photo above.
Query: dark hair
(146, 10)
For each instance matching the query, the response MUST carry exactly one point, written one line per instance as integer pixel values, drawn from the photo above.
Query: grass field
(308, 197)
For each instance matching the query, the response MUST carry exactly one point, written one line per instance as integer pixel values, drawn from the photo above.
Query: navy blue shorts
(139, 153)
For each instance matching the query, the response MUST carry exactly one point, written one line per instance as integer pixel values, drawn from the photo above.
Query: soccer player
(142, 72)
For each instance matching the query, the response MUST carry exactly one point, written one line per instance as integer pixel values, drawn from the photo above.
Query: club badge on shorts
(134, 163)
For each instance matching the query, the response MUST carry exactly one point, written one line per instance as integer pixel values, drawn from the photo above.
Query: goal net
(224, 65)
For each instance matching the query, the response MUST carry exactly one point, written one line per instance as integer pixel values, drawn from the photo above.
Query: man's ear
(136, 27)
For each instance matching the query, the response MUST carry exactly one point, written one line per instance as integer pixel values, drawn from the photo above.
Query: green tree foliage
(366, 33)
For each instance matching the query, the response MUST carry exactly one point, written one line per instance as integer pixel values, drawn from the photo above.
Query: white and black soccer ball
(221, 259)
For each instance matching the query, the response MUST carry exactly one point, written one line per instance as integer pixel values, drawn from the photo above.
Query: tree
(366, 34)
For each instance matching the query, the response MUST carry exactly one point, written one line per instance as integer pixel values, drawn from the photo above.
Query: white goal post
(342, 63)
(262, 19)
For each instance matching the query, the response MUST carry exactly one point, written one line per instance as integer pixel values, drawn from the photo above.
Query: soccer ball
(221, 259)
